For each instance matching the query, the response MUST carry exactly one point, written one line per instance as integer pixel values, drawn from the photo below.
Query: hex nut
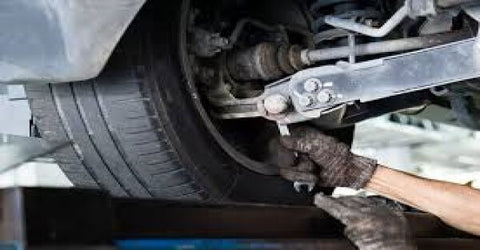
(311, 85)
(275, 104)
(305, 100)
(324, 96)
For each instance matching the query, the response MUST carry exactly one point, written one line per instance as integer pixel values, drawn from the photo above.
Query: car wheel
(140, 130)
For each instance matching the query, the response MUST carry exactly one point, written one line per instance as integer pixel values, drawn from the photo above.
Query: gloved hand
(369, 225)
(294, 167)
(337, 166)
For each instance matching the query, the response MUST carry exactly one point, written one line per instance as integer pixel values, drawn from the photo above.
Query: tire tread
(123, 146)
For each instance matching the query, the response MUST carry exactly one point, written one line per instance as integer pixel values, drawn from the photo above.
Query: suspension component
(359, 11)
(265, 61)
(345, 83)
(411, 8)
(388, 46)
(327, 91)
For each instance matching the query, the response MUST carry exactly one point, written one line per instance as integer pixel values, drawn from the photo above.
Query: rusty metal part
(295, 58)
(268, 61)
(255, 63)
(282, 54)
(207, 44)
(265, 61)
(240, 26)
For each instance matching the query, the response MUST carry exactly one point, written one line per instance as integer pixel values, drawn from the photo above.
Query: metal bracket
(313, 92)
(390, 76)
(376, 79)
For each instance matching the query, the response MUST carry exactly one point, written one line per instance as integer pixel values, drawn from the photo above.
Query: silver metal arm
(381, 78)
(315, 91)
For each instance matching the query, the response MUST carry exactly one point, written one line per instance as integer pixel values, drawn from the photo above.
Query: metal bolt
(324, 96)
(305, 100)
(275, 104)
(311, 85)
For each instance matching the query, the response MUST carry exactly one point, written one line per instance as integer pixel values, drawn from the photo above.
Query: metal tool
(297, 185)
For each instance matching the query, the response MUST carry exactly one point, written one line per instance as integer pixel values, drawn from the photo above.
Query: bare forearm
(455, 204)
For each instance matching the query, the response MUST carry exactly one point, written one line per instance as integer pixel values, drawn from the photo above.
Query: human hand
(337, 166)
(369, 225)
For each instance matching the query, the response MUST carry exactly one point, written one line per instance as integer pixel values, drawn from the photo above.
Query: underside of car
(196, 92)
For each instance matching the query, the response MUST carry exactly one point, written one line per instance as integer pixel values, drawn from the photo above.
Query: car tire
(135, 131)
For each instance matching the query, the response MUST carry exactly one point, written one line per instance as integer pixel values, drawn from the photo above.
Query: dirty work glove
(338, 167)
(293, 166)
(369, 225)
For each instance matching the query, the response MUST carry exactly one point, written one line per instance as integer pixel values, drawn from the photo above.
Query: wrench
(297, 185)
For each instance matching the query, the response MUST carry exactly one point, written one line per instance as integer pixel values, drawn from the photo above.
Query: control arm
(312, 92)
